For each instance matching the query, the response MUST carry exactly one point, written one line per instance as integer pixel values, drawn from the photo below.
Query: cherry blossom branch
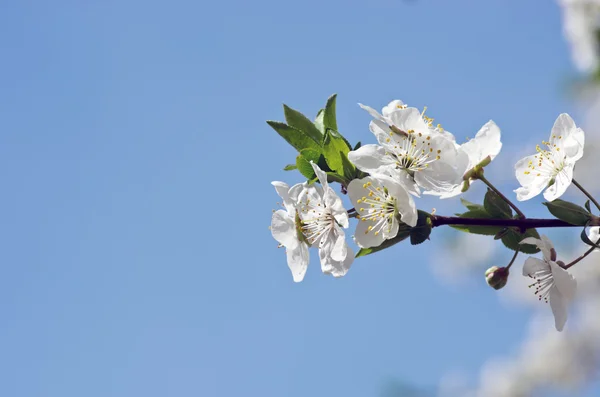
(592, 199)
(586, 253)
(528, 223)
(502, 196)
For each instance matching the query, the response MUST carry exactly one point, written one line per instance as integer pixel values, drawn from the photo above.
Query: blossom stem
(592, 199)
(586, 253)
(528, 223)
(502, 196)
(512, 260)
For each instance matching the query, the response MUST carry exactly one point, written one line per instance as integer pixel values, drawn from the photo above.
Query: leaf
(299, 121)
(298, 139)
(496, 206)
(402, 235)
(349, 170)
(588, 207)
(472, 206)
(568, 212)
(422, 230)
(329, 118)
(512, 239)
(357, 146)
(290, 167)
(319, 121)
(303, 162)
(484, 230)
(334, 149)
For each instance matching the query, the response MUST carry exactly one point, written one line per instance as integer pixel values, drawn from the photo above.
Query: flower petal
(564, 281)
(543, 243)
(366, 239)
(339, 250)
(297, 260)
(559, 308)
(392, 107)
(409, 119)
(321, 175)
(371, 158)
(283, 229)
(404, 203)
(374, 113)
(561, 182)
(567, 137)
(534, 265)
(283, 190)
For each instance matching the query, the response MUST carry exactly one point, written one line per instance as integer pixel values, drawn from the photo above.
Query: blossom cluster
(413, 156)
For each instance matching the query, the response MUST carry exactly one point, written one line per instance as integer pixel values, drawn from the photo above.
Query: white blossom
(552, 283)
(552, 167)
(381, 203)
(581, 22)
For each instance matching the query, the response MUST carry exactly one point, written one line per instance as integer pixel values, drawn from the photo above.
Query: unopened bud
(496, 277)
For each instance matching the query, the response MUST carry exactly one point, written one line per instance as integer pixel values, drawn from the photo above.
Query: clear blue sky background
(135, 166)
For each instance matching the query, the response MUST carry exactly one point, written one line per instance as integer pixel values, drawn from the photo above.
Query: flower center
(316, 220)
(542, 284)
(547, 162)
(379, 207)
(412, 152)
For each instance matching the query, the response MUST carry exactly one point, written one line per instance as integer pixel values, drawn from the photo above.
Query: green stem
(512, 260)
(503, 197)
(592, 199)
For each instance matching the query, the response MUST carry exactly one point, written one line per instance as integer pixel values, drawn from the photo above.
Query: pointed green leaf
(588, 207)
(472, 206)
(479, 214)
(512, 239)
(329, 119)
(319, 121)
(357, 146)
(304, 167)
(495, 206)
(298, 139)
(299, 121)
(402, 235)
(568, 212)
(290, 167)
(334, 149)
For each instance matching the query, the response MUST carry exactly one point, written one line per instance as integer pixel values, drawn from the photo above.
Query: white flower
(381, 203)
(594, 236)
(321, 216)
(285, 228)
(551, 168)
(580, 19)
(552, 283)
(408, 142)
(485, 144)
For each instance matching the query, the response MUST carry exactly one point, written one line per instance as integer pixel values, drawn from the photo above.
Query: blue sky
(136, 165)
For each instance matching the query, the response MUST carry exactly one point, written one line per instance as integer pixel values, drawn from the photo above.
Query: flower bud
(496, 277)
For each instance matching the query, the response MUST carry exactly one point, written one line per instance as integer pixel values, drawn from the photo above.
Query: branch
(529, 223)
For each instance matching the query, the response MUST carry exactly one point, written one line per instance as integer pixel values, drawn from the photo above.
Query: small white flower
(321, 216)
(551, 168)
(552, 284)
(594, 236)
(285, 228)
(409, 143)
(485, 144)
(381, 203)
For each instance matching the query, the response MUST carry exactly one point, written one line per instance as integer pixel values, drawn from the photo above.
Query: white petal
(409, 119)
(374, 113)
(402, 177)
(544, 244)
(559, 308)
(371, 158)
(283, 229)
(297, 260)
(564, 281)
(567, 137)
(321, 175)
(526, 193)
(594, 235)
(337, 268)
(283, 190)
(404, 202)
(381, 130)
(534, 265)
(561, 182)
(392, 107)
(339, 250)
(364, 239)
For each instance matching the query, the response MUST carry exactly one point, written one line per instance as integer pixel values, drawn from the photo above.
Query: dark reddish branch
(528, 223)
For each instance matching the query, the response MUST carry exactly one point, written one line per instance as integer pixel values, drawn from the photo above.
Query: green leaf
(299, 121)
(495, 206)
(334, 149)
(479, 214)
(568, 212)
(357, 146)
(472, 206)
(290, 167)
(403, 234)
(349, 170)
(329, 118)
(319, 121)
(303, 162)
(512, 239)
(588, 207)
(298, 139)
(422, 230)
